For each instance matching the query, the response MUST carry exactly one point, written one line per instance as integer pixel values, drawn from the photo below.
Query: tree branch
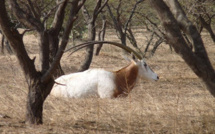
(25, 18)
(16, 43)
(117, 26)
(188, 28)
(76, 5)
(58, 19)
(35, 14)
(101, 7)
(200, 65)
(131, 15)
(51, 11)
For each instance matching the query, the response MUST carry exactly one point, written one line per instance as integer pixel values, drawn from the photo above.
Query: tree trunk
(9, 50)
(198, 61)
(36, 96)
(40, 82)
(53, 34)
(101, 34)
(99, 46)
(53, 46)
(34, 103)
(91, 32)
(2, 44)
(89, 50)
(43, 40)
(5, 43)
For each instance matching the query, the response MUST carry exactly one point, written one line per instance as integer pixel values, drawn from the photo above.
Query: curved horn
(126, 48)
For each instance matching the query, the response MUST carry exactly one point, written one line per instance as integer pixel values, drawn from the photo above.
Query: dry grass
(177, 103)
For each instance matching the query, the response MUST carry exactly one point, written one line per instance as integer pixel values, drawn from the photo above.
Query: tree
(201, 13)
(204, 12)
(90, 20)
(174, 21)
(126, 16)
(39, 82)
(151, 23)
(101, 34)
(123, 30)
(4, 43)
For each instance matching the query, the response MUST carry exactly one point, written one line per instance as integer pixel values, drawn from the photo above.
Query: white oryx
(102, 83)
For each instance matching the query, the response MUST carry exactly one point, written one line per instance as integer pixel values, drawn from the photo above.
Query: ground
(178, 103)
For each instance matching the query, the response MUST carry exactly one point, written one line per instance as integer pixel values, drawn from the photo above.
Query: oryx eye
(145, 65)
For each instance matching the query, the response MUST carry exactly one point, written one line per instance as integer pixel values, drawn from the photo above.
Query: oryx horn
(126, 48)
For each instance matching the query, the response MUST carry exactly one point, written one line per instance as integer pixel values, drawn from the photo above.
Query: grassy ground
(178, 103)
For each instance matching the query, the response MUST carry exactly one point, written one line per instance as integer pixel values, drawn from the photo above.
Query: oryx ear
(126, 57)
(134, 58)
(131, 58)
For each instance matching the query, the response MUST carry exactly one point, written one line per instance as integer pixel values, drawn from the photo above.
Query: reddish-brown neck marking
(125, 79)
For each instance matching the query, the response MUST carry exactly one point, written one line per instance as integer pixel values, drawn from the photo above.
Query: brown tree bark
(39, 82)
(198, 60)
(37, 94)
(5, 43)
(101, 35)
(76, 6)
(91, 31)
(89, 50)
(34, 110)
(54, 32)
(2, 43)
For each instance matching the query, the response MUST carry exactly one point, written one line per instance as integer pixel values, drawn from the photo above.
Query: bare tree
(4, 42)
(39, 82)
(201, 13)
(157, 33)
(90, 20)
(198, 60)
(118, 22)
(101, 34)
(205, 17)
